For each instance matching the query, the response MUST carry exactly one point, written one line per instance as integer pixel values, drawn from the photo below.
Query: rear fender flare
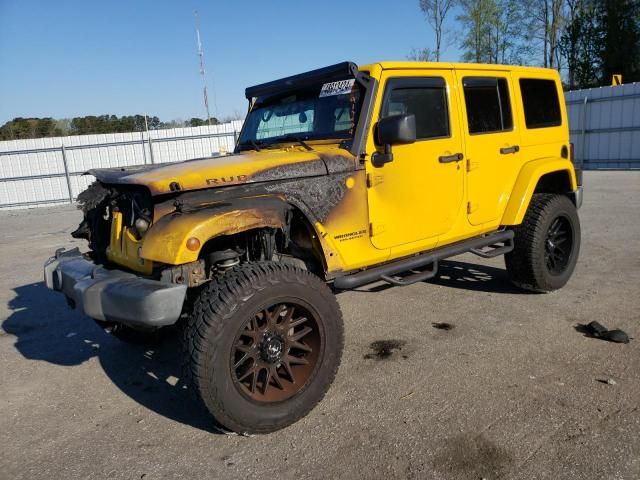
(527, 181)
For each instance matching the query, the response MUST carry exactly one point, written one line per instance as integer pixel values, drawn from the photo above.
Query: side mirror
(393, 130)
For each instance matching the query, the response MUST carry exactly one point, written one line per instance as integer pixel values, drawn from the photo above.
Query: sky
(63, 58)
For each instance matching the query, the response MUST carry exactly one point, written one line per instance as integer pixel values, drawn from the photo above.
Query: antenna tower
(202, 71)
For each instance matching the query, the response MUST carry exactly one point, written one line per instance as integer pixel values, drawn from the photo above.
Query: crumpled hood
(247, 167)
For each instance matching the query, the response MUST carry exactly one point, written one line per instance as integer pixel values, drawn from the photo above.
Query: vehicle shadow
(471, 276)
(463, 275)
(46, 329)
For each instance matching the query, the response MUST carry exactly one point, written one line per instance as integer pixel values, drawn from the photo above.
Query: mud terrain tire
(263, 345)
(546, 244)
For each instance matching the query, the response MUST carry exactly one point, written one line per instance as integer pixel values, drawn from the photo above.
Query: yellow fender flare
(166, 240)
(526, 184)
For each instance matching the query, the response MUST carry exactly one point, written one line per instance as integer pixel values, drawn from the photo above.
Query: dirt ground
(511, 391)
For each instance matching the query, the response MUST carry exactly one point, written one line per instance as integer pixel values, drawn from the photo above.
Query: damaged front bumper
(113, 295)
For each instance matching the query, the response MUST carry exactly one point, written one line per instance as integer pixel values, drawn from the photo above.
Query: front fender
(526, 184)
(166, 240)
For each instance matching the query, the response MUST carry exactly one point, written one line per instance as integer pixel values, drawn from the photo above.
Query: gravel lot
(512, 391)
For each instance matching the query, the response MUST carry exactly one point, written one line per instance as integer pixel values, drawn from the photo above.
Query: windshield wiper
(252, 144)
(295, 138)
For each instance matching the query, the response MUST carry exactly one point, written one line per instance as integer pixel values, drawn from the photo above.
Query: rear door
(491, 143)
(418, 195)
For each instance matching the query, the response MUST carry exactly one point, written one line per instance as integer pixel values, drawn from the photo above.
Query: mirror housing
(396, 130)
(393, 130)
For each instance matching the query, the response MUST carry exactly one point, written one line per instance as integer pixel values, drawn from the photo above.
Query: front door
(418, 195)
(492, 144)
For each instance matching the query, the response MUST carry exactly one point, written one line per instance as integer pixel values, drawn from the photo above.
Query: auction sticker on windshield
(337, 88)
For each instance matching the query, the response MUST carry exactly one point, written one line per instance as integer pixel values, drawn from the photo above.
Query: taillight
(571, 153)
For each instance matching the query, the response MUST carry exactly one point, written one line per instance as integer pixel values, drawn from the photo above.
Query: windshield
(322, 111)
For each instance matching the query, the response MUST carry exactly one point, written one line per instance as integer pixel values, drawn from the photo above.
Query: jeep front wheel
(264, 343)
(546, 244)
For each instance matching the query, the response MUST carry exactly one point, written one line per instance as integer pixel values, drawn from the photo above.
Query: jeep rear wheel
(264, 343)
(546, 244)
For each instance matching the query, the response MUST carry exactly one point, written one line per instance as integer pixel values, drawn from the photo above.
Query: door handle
(456, 157)
(511, 149)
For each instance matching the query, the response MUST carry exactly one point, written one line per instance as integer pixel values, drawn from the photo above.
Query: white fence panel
(47, 171)
(605, 126)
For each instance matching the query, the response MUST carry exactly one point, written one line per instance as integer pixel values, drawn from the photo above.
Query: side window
(426, 98)
(540, 102)
(488, 106)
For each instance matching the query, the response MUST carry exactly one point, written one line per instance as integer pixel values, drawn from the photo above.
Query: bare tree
(547, 18)
(421, 55)
(235, 115)
(435, 11)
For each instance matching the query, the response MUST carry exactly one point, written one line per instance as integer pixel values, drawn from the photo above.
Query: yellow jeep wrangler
(341, 177)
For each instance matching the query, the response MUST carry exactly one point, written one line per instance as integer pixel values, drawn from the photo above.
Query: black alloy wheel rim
(275, 354)
(558, 245)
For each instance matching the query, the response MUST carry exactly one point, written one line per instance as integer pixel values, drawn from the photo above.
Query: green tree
(620, 40)
(154, 123)
(601, 38)
(45, 127)
(16, 129)
(176, 123)
(20, 128)
(509, 32)
(63, 125)
(476, 18)
(580, 44)
(195, 122)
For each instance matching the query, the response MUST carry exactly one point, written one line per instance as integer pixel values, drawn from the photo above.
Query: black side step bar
(416, 276)
(389, 271)
(494, 250)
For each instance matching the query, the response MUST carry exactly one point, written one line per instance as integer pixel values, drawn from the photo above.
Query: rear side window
(540, 102)
(488, 106)
(426, 98)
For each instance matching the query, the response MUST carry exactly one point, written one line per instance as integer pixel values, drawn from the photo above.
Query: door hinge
(472, 165)
(472, 207)
(373, 180)
(375, 229)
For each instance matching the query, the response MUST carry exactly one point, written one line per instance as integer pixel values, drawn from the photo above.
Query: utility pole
(202, 71)
(146, 126)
